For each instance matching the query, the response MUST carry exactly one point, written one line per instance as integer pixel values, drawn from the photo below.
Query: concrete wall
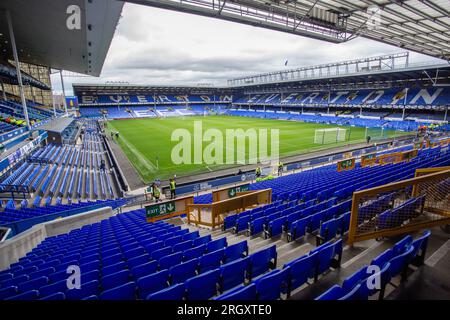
(15, 248)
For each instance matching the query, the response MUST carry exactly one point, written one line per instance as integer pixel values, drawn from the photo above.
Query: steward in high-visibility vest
(280, 167)
(258, 172)
(173, 186)
(156, 192)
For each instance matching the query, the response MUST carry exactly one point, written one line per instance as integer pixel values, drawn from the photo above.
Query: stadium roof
(115, 88)
(418, 25)
(44, 38)
(382, 68)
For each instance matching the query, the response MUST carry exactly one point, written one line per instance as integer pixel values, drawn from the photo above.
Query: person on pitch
(173, 186)
(258, 171)
(280, 168)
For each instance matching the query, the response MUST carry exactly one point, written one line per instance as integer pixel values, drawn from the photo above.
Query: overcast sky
(160, 47)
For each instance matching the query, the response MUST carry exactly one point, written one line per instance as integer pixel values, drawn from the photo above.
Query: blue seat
(173, 240)
(275, 227)
(194, 253)
(256, 226)
(203, 286)
(183, 271)
(229, 222)
(298, 228)
(240, 293)
(115, 279)
(136, 261)
(157, 254)
(201, 240)
(29, 295)
(271, 285)
(241, 223)
(55, 296)
(123, 292)
(191, 236)
(144, 269)
(233, 273)
(300, 271)
(354, 294)
(211, 260)
(152, 283)
(32, 284)
(60, 286)
(8, 292)
(401, 245)
(87, 289)
(399, 264)
(236, 251)
(262, 261)
(106, 271)
(175, 292)
(216, 244)
(182, 246)
(170, 260)
(334, 293)
(420, 248)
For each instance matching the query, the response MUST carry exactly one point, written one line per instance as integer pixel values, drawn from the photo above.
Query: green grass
(147, 142)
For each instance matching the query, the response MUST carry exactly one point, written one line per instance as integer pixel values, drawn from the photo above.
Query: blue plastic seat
(183, 271)
(157, 254)
(152, 283)
(55, 296)
(60, 286)
(201, 240)
(182, 246)
(300, 271)
(136, 261)
(8, 292)
(217, 244)
(144, 269)
(262, 261)
(106, 271)
(32, 284)
(233, 273)
(175, 292)
(240, 293)
(211, 260)
(126, 291)
(203, 286)
(236, 251)
(194, 252)
(87, 289)
(29, 295)
(354, 294)
(334, 293)
(270, 286)
(115, 279)
(170, 260)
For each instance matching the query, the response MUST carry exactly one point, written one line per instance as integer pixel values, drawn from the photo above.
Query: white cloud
(155, 46)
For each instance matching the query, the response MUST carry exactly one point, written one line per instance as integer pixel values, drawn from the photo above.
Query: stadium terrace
(322, 182)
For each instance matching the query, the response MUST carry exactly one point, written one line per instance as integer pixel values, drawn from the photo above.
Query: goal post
(330, 135)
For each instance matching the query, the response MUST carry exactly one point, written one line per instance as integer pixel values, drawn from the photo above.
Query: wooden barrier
(229, 192)
(168, 209)
(211, 214)
(423, 178)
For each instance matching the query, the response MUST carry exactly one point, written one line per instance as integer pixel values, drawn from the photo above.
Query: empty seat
(144, 269)
(175, 292)
(123, 292)
(183, 271)
(240, 293)
(216, 244)
(170, 260)
(203, 286)
(152, 283)
(270, 286)
(211, 260)
(236, 251)
(115, 279)
(233, 273)
(262, 261)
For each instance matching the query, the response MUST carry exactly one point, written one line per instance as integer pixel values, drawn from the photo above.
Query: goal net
(331, 135)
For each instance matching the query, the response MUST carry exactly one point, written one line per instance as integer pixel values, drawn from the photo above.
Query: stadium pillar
(63, 92)
(446, 111)
(19, 73)
(53, 104)
(3, 90)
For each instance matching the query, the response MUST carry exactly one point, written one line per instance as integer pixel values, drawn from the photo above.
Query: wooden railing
(212, 214)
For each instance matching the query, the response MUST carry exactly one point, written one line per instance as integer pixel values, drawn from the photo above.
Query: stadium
(326, 181)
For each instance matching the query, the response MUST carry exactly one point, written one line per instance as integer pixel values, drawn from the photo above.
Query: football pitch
(147, 142)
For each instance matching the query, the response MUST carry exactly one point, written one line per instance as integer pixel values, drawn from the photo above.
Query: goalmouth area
(147, 141)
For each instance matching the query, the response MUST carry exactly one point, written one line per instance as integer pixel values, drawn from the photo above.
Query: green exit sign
(160, 209)
(234, 190)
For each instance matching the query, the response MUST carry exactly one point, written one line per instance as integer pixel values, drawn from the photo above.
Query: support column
(446, 111)
(63, 92)
(19, 73)
(404, 104)
(54, 104)
(3, 90)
